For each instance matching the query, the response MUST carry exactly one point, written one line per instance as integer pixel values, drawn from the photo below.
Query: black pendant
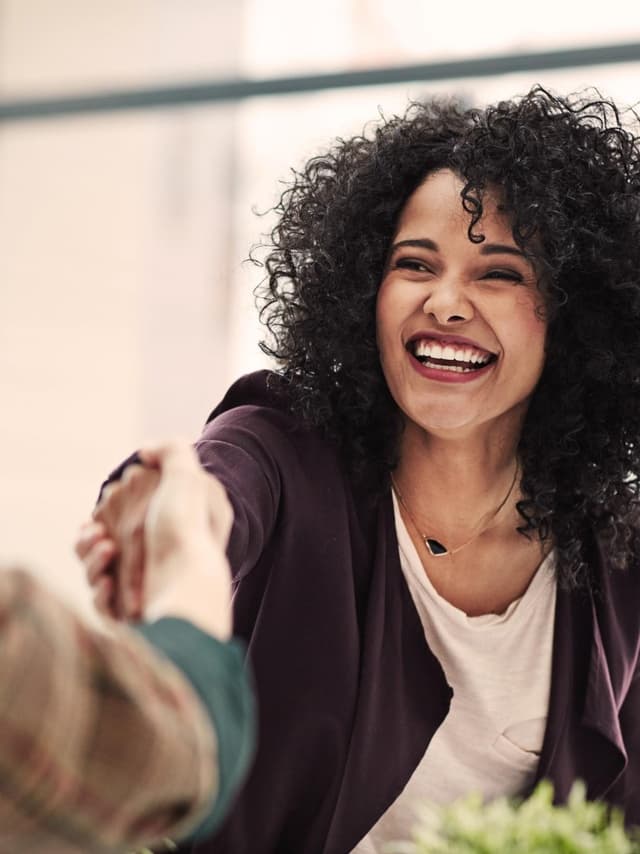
(435, 548)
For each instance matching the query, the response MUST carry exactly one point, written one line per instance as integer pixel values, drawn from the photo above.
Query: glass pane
(282, 38)
(115, 270)
(77, 46)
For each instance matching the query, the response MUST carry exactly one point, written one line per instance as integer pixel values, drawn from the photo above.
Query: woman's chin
(448, 424)
(466, 422)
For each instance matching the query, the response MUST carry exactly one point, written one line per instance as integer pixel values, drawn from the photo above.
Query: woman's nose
(447, 302)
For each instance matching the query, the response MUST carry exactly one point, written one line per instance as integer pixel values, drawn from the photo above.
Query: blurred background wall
(125, 305)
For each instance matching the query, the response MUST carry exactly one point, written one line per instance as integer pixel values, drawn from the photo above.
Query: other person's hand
(156, 544)
(186, 531)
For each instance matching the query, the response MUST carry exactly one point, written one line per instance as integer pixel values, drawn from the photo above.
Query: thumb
(173, 455)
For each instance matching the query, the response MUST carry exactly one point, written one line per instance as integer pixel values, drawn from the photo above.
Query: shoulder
(255, 416)
(259, 398)
(260, 389)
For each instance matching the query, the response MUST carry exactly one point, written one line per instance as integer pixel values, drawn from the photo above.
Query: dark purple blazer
(349, 693)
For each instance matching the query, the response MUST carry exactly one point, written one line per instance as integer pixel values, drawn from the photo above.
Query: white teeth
(458, 369)
(432, 350)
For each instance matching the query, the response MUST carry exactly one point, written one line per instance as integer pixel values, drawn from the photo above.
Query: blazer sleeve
(246, 449)
(103, 741)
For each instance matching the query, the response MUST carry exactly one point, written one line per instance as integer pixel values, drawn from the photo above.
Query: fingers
(88, 535)
(137, 485)
(103, 598)
(175, 454)
(131, 575)
(96, 550)
(122, 510)
(98, 560)
(117, 495)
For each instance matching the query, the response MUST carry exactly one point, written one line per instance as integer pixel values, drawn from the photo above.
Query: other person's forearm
(202, 591)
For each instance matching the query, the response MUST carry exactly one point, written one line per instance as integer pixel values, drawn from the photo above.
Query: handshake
(160, 704)
(155, 546)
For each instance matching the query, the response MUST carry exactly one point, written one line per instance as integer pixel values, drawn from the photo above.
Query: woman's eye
(504, 275)
(411, 264)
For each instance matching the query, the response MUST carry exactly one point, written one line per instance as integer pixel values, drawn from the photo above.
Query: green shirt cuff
(217, 670)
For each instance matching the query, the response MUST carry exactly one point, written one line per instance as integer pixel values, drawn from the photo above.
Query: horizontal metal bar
(240, 89)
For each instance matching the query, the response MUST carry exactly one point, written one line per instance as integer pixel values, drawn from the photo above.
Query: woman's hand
(156, 545)
(111, 545)
(97, 550)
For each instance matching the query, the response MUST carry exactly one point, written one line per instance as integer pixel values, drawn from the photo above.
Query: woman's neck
(450, 484)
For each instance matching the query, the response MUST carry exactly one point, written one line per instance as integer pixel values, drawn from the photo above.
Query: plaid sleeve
(104, 745)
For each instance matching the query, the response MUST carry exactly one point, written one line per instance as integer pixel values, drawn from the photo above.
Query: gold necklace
(437, 548)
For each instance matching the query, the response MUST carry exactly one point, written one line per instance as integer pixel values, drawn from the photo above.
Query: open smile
(449, 359)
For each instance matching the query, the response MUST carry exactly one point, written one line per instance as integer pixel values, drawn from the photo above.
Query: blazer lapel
(608, 758)
(583, 738)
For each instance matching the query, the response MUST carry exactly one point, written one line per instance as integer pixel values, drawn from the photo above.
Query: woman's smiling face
(459, 326)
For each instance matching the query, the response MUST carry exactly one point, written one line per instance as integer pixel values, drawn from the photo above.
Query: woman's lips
(445, 374)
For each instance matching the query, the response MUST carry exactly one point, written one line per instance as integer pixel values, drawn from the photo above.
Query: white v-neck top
(499, 667)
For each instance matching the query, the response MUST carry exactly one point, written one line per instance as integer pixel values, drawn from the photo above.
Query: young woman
(435, 543)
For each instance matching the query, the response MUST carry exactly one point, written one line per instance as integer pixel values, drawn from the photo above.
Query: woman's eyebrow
(420, 242)
(500, 248)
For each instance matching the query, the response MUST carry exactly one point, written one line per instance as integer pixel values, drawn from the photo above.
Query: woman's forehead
(437, 204)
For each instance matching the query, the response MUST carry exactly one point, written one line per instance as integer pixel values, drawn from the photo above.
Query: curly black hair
(569, 172)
